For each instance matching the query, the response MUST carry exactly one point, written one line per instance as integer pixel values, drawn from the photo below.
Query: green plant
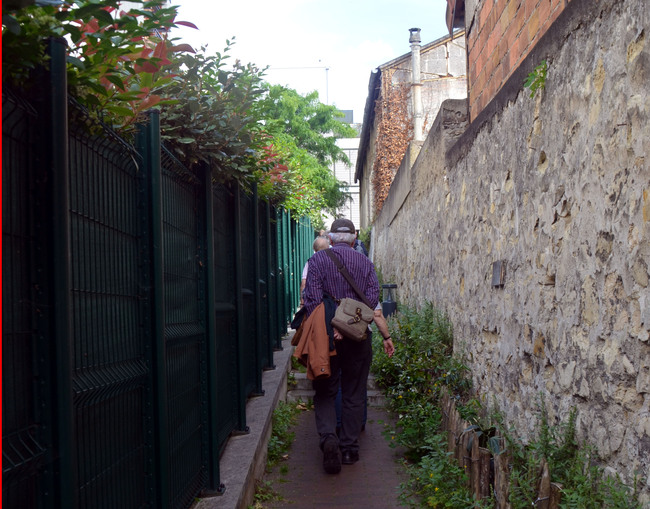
(118, 61)
(264, 492)
(296, 365)
(422, 367)
(212, 121)
(537, 78)
(365, 236)
(284, 417)
(571, 464)
(437, 480)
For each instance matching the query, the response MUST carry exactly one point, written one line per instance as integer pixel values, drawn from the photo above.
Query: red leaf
(145, 67)
(182, 47)
(186, 24)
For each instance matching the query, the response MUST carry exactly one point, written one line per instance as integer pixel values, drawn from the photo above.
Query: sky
(329, 46)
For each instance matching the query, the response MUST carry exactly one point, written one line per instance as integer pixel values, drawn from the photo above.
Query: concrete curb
(244, 458)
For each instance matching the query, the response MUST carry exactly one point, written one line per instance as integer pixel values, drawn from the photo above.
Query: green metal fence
(141, 302)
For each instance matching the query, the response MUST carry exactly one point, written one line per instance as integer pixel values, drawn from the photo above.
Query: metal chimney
(416, 85)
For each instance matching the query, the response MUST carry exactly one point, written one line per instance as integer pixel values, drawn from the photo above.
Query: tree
(304, 133)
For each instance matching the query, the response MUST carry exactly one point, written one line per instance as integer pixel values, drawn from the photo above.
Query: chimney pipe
(416, 85)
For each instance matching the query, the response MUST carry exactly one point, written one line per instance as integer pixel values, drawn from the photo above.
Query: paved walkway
(372, 482)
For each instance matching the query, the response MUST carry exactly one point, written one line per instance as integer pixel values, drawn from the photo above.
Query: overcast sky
(329, 46)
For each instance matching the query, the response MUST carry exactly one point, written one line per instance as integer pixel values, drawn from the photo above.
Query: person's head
(343, 231)
(321, 242)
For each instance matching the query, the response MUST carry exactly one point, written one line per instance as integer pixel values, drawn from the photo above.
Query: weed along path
(299, 482)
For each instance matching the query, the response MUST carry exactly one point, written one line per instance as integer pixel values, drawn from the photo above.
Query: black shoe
(350, 457)
(331, 456)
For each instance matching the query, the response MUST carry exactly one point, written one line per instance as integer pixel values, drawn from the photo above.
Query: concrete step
(302, 390)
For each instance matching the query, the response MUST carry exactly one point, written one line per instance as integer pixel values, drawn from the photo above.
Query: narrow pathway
(372, 482)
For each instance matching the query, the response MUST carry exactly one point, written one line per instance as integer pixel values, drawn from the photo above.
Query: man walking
(351, 364)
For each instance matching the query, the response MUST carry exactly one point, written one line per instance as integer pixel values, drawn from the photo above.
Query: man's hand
(389, 348)
(337, 334)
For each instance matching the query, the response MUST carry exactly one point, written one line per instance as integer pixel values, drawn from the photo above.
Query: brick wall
(502, 33)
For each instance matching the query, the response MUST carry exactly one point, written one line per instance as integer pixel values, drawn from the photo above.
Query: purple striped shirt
(324, 277)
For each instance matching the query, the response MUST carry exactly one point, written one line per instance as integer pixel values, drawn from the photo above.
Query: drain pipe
(416, 85)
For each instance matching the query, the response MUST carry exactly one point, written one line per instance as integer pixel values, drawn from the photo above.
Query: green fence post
(148, 142)
(287, 265)
(62, 278)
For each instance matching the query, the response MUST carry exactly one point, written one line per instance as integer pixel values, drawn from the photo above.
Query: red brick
(492, 42)
(481, 80)
(513, 58)
(492, 20)
(544, 10)
(533, 26)
(484, 13)
(511, 34)
(530, 6)
(505, 67)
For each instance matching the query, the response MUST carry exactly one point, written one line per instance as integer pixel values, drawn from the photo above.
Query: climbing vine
(394, 133)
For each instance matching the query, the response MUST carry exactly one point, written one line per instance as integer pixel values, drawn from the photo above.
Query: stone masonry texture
(557, 189)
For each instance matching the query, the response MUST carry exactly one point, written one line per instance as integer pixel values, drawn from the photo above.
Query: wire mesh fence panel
(264, 325)
(249, 290)
(25, 440)
(276, 333)
(225, 291)
(111, 373)
(185, 329)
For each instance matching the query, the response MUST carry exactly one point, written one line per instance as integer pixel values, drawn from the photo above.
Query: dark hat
(343, 226)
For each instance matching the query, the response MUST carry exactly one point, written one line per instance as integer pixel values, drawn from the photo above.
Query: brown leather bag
(352, 319)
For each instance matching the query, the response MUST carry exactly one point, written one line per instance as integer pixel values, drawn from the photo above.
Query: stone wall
(557, 189)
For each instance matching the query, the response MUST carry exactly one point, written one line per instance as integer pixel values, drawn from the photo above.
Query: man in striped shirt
(351, 364)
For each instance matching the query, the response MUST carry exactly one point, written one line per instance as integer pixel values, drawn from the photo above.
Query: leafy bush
(422, 367)
(213, 113)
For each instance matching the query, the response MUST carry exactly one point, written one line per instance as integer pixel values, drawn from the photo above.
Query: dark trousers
(349, 367)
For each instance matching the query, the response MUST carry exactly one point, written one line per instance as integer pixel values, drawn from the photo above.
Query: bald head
(321, 242)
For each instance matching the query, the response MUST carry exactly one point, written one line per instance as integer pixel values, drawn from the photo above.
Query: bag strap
(344, 272)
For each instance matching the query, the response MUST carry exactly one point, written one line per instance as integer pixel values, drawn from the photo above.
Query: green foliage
(296, 365)
(437, 480)
(571, 464)
(284, 417)
(118, 62)
(304, 133)
(364, 236)
(212, 121)
(423, 365)
(264, 492)
(312, 124)
(537, 78)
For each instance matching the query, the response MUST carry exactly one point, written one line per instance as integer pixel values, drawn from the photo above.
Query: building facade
(400, 109)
